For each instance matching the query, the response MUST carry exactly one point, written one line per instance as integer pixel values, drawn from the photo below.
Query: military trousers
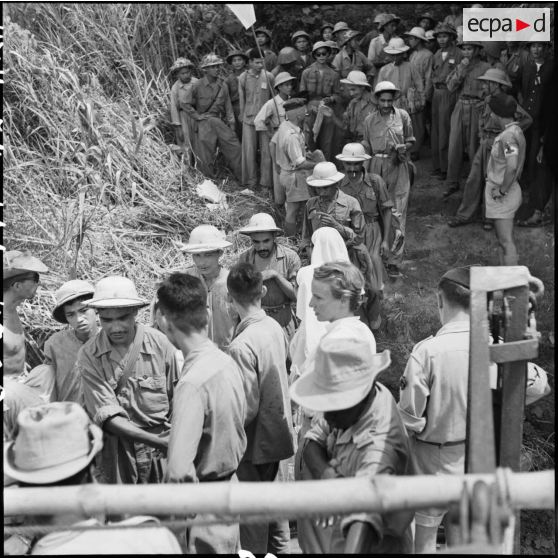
(443, 103)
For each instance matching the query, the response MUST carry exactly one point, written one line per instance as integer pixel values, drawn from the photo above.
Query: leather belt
(381, 155)
(225, 478)
(445, 444)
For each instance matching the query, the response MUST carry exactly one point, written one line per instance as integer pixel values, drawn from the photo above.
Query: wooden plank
(498, 278)
(526, 349)
(479, 449)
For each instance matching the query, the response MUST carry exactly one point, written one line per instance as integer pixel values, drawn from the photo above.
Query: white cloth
(328, 246)
(147, 540)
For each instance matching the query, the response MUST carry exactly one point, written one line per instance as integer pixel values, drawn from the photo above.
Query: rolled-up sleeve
(100, 400)
(319, 430)
(413, 394)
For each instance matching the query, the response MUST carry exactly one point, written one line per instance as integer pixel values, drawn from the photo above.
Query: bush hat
(323, 175)
(396, 46)
(264, 31)
(16, 263)
(386, 86)
(332, 45)
(388, 18)
(459, 275)
(234, 53)
(211, 60)
(497, 76)
(54, 442)
(283, 77)
(325, 25)
(320, 44)
(205, 238)
(429, 16)
(379, 18)
(345, 367)
(353, 153)
(66, 293)
(445, 28)
(418, 32)
(350, 34)
(503, 105)
(260, 222)
(355, 77)
(298, 34)
(181, 63)
(340, 26)
(116, 291)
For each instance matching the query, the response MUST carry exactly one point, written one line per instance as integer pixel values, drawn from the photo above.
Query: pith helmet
(324, 174)
(332, 45)
(417, 32)
(66, 293)
(325, 25)
(319, 44)
(287, 55)
(350, 34)
(396, 46)
(445, 28)
(234, 53)
(205, 238)
(356, 78)
(211, 60)
(388, 18)
(16, 263)
(430, 35)
(298, 34)
(386, 86)
(260, 222)
(429, 16)
(379, 18)
(116, 292)
(497, 76)
(283, 77)
(264, 31)
(181, 63)
(353, 153)
(340, 26)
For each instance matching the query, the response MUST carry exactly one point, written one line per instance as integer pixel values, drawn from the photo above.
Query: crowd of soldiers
(267, 370)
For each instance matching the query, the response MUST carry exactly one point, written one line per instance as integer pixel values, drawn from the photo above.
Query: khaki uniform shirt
(319, 83)
(17, 396)
(442, 68)
(511, 142)
(61, 351)
(207, 438)
(422, 61)
(433, 390)
(354, 116)
(271, 115)
(376, 54)
(178, 96)
(381, 133)
(407, 78)
(344, 209)
(211, 98)
(291, 147)
(254, 91)
(365, 193)
(464, 78)
(345, 63)
(376, 445)
(260, 349)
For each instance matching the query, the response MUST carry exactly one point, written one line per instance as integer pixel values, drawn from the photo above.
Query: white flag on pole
(245, 13)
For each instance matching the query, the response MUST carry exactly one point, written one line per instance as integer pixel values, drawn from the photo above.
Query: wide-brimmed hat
(386, 86)
(116, 292)
(388, 18)
(445, 28)
(340, 26)
(353, 153)
(287, 55)
(417, 32)
(265, 31)
(430, 35)
(294, 103)
(396, 46)
(234, 53)
(181, 63)
(54, 442)
(325, 25)
(283, 77)
(69, 291)
(260, 222)
(459, 275)
(350, 34)
(332, 45)
(379, 18)
(323, 175)
(320, 44)
(211, 60)
(497, 76)
(205, 238)
(298, 34)
(356, 77)
(16, 263)
(345, 367)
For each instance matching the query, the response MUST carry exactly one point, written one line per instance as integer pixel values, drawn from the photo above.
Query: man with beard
(278, 266)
